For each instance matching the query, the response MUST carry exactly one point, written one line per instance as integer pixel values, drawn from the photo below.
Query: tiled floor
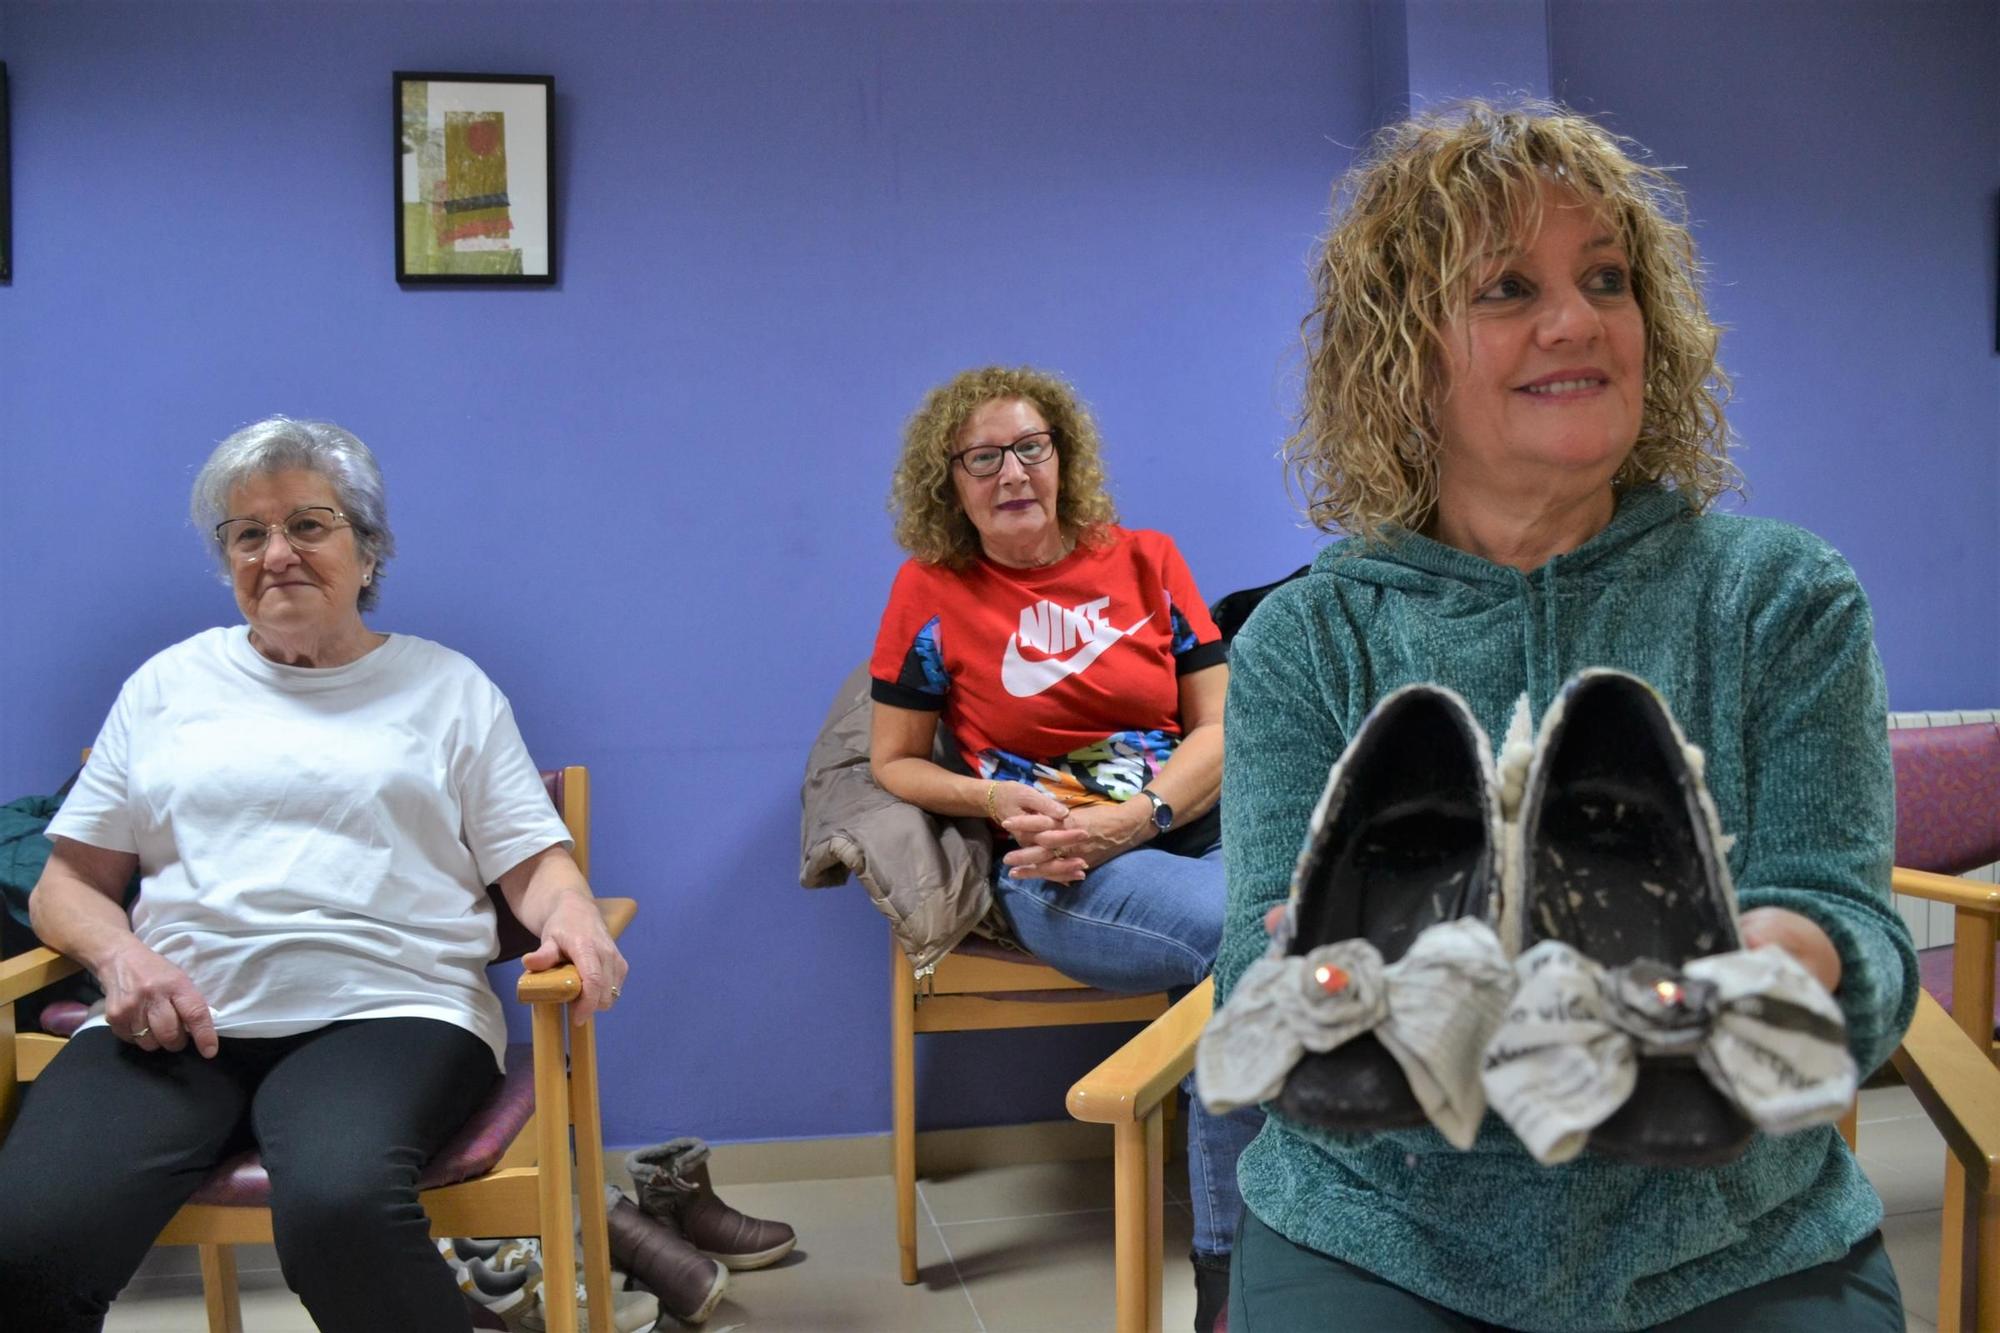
(1021, 1249)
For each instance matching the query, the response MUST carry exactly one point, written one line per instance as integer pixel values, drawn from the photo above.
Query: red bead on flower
(1331, 979)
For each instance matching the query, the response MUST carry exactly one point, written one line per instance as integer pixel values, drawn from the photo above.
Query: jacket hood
(1410, 561)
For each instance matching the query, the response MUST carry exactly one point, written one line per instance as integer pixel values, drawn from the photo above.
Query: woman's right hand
(152, 1004)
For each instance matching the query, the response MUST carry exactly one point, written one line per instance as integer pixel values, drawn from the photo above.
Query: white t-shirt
(314, 843)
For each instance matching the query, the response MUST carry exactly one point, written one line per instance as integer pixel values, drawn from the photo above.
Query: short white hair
(281, 444)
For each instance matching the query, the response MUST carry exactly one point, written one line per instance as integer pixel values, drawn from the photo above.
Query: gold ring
(614, 992)
(140, 1032)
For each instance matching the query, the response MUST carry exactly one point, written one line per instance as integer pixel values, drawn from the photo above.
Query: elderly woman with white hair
(314, 808)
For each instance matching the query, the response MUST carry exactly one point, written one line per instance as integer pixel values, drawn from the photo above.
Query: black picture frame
(475, 169)
(6, 181)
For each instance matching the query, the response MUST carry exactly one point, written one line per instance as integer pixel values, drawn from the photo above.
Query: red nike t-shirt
(1066, 676)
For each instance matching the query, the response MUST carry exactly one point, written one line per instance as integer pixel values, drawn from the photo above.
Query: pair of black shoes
(1384, 979)
(1526, 935)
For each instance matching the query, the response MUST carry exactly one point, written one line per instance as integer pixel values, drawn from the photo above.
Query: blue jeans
(1145, 921)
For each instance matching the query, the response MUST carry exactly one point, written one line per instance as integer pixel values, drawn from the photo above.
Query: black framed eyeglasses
(305, 529)
(983, 460)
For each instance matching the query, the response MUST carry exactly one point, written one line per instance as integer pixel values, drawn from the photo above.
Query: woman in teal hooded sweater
(1514, 412)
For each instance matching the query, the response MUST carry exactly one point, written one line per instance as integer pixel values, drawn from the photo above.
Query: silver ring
(140, 1032)
(614, 992)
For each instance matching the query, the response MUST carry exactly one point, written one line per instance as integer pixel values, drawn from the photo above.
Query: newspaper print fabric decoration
(1434, 1009)
(1761, 1028)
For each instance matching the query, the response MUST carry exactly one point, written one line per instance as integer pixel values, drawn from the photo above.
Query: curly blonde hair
(931, 524)
(1429, 199)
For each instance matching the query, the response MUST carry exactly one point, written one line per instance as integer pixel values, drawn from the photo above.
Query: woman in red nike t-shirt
(1082, 681)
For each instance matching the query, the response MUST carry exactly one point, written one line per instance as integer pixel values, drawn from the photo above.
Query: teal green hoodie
(1759, 637)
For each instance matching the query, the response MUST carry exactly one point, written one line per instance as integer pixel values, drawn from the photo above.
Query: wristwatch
(1163, 814)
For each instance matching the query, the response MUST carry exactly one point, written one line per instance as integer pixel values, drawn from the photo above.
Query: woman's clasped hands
(1064, 843)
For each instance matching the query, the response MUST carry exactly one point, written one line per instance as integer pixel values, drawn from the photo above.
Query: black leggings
(111, 1140)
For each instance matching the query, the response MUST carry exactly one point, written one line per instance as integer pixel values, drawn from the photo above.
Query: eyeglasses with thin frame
(306, 529)
(984, 460)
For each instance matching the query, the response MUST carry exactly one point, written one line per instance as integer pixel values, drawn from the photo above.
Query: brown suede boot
(672, 1181)
(656, 1254)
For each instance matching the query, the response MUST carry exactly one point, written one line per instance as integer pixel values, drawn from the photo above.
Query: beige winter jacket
(929, 875)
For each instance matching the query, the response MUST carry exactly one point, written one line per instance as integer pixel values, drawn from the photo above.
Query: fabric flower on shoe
(1759, 1026)
(1433, 1009)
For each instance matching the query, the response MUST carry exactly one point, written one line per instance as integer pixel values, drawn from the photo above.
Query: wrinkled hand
(151, 1003)
(1041, 824)
(1047, 848)
(1797, 936)
(1066, 849)
(575, 934)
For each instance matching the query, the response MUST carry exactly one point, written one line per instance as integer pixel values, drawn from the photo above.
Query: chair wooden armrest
(1959, 1090)
(1128, 1092)
(1975, 932)
(1963, 894)
(1958, 1087)
(26, 973)
(1144, 1072)
(560, 985)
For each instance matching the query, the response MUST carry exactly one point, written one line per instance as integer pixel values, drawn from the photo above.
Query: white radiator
(1930, 923)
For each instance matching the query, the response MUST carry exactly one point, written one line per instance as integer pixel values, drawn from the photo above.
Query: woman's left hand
(575, 933)
(1797, 936)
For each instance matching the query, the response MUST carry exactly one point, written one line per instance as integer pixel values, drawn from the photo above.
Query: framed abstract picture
(475, 178)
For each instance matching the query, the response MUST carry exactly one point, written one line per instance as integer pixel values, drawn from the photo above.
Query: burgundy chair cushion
(476, 1149)
(978, 946)
(1947, 796)
(64, 1017)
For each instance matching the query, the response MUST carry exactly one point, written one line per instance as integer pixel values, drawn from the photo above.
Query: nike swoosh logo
(1024, 679)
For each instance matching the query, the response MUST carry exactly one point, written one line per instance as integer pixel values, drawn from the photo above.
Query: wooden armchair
(1131, 1092)
(983, 985)
(978, 985)
(508, 1172)
(1957, 1086)
(1948, 822)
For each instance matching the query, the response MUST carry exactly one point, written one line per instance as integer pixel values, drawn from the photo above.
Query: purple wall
(649, 501)
(1842, 159)
(1473, 48)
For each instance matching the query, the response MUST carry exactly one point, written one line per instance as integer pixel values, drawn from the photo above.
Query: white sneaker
(506, 1294)
(631, 1311)
(498, 1255)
